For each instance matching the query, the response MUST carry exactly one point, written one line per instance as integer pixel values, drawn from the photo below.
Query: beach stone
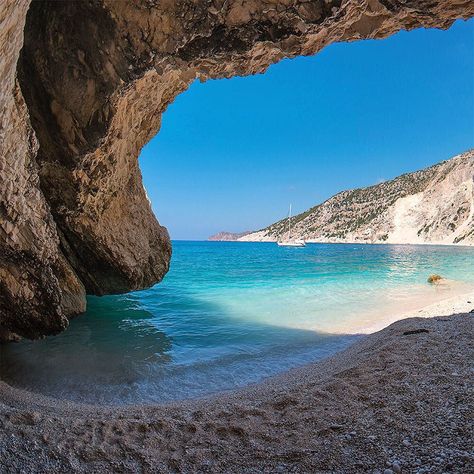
(396, 468)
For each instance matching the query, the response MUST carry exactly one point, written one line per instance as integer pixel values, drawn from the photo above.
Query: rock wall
(87, 92)
(37, 285)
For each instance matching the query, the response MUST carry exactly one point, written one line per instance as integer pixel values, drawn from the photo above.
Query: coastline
(355, 242)
(399, 397)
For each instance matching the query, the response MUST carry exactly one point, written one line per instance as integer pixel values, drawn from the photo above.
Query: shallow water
(229, 314)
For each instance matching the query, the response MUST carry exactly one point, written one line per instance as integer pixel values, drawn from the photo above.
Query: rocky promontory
(228, 236)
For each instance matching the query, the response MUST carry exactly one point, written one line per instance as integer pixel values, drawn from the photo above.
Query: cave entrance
(95, 91)
(230, 156)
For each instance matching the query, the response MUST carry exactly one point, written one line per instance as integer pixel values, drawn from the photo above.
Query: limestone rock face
(87, 92)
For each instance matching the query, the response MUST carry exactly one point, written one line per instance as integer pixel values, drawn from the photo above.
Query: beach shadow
(99, 347)
(118, 352)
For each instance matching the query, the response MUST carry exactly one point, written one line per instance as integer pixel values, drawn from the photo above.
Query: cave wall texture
(83, 85)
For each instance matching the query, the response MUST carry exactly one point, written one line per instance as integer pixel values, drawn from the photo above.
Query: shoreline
(457, 299)
(398, 398)
(459, 303)
(315, 242)
(345, 413)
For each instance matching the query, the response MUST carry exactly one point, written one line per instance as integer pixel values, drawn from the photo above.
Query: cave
(84, 86)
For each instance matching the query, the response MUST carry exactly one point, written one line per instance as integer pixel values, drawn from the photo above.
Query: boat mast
(289, 224)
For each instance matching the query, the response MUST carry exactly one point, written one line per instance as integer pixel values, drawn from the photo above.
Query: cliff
(83, 86)
(431, 206)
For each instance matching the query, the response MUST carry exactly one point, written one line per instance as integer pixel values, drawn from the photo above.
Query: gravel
(388, 404)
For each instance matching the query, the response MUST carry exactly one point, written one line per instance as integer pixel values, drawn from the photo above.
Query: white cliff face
(431, 206)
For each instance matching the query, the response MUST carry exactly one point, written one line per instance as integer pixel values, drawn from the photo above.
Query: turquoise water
(229, 314)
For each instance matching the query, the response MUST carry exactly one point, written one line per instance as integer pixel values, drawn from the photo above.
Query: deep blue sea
(229, 314)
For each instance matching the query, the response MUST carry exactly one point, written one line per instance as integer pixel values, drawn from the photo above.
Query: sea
(230, 314)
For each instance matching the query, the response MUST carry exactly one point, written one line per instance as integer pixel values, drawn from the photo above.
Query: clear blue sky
(232, 154)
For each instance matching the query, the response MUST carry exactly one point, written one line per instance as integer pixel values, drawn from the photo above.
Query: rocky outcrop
(228, 236)
(431, 206)
(87, 92)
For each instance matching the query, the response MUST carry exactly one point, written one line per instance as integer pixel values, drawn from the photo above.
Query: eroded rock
(96, 77)
(37, 284)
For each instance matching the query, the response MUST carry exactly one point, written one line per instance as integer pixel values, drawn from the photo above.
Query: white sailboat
(289, 242)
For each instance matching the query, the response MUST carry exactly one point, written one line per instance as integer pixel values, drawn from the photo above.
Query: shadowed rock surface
(84, 96)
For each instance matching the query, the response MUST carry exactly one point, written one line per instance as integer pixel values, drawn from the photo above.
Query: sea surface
(230, 314)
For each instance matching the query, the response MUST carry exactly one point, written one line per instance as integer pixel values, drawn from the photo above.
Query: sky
(232, 154)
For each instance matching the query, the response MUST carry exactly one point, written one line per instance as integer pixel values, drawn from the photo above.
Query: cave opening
(334, 356)
(91, 95)
(228, 149)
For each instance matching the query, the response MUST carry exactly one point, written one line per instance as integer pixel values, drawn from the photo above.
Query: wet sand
(399, 400)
